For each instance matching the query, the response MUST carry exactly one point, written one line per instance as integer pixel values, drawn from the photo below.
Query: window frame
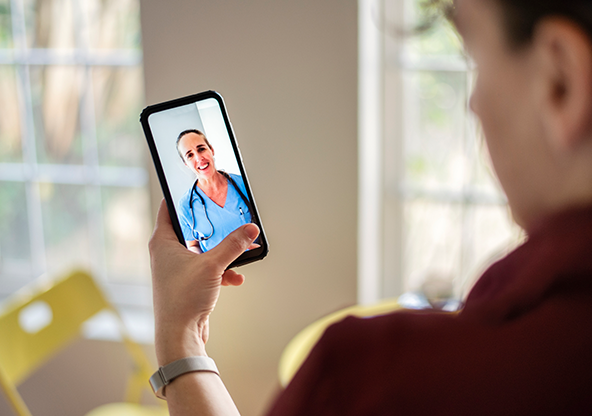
(90, 174)
(382, 190)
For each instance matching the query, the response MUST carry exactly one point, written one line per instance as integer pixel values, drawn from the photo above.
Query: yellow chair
(300, 346)
(69, 302)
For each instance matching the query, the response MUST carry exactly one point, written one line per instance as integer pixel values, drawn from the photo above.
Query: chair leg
(14, 398)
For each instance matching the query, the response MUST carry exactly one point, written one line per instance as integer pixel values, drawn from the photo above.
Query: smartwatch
(169, 372)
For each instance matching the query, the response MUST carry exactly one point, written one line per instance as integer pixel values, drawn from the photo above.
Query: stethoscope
(203, 203)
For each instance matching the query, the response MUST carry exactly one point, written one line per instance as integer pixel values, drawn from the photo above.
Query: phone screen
(201, 173)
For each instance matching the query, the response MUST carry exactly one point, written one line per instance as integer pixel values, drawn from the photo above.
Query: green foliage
(436, 34)
(432, 12)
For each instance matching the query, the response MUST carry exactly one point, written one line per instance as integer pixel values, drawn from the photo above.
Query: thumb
(234, 244)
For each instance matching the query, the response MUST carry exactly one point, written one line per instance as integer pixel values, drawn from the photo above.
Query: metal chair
(69, 302)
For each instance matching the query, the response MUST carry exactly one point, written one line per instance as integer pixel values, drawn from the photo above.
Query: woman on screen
(216, 204)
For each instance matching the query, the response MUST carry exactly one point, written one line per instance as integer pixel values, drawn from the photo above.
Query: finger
(234, 244)
(163, 229)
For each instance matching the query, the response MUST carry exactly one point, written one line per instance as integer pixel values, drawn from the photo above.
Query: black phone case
(248, 256)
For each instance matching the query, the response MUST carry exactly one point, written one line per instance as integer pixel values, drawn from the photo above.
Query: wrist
(165, 374)
(173, 343)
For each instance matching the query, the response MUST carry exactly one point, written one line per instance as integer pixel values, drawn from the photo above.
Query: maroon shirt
(522, 345)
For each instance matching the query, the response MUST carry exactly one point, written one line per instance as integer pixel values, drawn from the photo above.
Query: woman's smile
(198, 155)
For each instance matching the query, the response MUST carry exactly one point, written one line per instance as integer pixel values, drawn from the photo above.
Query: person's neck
(563, 182)
(570, 197)
(216, 183)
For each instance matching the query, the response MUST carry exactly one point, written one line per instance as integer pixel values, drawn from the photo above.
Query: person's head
(196, 152)
(533, 95)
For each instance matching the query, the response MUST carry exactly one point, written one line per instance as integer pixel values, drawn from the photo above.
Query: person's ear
(564, 80)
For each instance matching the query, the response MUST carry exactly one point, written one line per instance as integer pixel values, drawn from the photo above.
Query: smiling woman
(521, 345)
(216, 204)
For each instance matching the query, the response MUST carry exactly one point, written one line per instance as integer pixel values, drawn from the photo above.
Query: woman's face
(197, 155)
(504, 100)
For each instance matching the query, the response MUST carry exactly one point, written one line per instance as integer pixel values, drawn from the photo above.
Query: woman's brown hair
(520, 17)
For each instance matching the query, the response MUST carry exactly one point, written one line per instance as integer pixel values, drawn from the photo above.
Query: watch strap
(165, 374)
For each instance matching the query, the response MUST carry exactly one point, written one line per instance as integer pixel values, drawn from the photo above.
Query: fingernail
(252, 231)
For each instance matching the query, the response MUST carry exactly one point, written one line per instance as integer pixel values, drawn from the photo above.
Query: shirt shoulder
(183, 203)
(357, 366)
(238, 179)
(392, 363)
(185, 198)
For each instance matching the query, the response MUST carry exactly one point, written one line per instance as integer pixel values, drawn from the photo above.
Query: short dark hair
(520, 17)
(183, 133)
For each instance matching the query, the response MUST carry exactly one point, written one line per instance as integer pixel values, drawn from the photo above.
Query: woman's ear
(564, 80)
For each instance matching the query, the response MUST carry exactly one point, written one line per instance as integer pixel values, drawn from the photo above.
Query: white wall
(288, 73)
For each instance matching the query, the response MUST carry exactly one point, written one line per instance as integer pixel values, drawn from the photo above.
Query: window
(437, 213)
(73, 177)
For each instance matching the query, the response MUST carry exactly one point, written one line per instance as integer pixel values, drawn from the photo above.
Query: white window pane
(112, 24)
(127, 230)
(14, 228)
(56, 106)
(118, 101)
(434, 130)
(10, 117)
(16, 263)
(49, 23)
(432, 242)
(65, 222)
(454, 242)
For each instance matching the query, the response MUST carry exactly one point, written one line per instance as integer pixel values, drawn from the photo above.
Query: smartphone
(201, 172)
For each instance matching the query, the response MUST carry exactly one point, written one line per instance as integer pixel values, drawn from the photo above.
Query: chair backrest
(62, 307)
(58, 308)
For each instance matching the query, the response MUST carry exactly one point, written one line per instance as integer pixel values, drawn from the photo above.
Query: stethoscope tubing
(203, 203)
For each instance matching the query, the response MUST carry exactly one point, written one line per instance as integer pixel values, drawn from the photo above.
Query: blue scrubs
(224, 220)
